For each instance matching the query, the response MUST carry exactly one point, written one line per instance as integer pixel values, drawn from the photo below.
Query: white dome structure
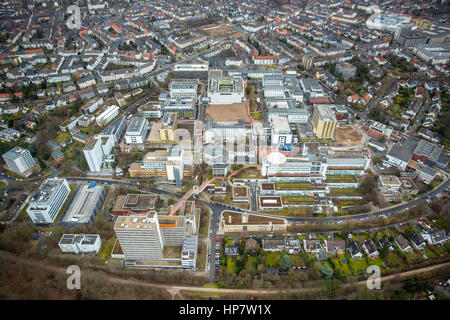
(276, 158)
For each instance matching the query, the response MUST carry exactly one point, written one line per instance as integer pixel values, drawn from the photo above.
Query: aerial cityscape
(225, 150)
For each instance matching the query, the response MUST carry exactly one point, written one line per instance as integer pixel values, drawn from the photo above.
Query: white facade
(226, 90)
(280, 131)
(19, 160)
(96, 149)
(226, 131)
(80, 243)
(48, 200)
(137, 130)
(183, 89)
(107, 115)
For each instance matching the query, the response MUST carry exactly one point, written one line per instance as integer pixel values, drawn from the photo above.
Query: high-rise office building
(96, 149)
(47, 201)
(324, 122)
(19, 160)
(168, 126)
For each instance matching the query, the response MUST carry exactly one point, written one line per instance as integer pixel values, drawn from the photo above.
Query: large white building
(144, 238)
(280, 131)
(347, 163)
(225, 131)
(80, 243)
(277, 163)
(226, 90)
(137, 130)
(107, 115)
(96, 149)
(183, 89)
(48, 200)
(19, 160)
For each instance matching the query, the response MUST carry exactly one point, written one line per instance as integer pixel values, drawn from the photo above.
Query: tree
(332, 287)
(327, 272)
(285, 262)
(384, 252)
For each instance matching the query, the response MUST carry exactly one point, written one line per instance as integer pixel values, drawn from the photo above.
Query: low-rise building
(232, 221)
(370, 248)
(402, 243)
(80, 243)
(354, 250)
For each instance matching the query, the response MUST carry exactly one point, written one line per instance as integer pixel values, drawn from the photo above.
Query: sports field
(347, 136)
(227, 112)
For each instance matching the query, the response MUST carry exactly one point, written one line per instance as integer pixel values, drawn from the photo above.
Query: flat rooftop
(240, 191)
(268, 186)
(270, 202)
(236, 219)
(136, 222)
(390, 180)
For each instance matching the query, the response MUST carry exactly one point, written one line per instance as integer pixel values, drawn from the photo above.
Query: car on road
(217, 240)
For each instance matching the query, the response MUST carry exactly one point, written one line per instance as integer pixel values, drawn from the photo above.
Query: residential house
(335, 246)
(251, 245)
(403, 244)
(370, 248)
(354, 250)
(232, 250)
(273, 245)
(435, 237)
(292, 246)
(312, 245)
(385, 243)
(417, 241)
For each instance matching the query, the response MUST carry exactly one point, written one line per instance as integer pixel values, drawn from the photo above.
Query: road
(311, 220)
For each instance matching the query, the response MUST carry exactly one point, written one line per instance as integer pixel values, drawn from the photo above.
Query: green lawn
(293, 186)
(298, 199)
(393, 260)
(359, 265)
(377, 262)
(272, 259)
(228, 241)
(338, 178)
(106, 249)
(413, 258)
(341, 266)
(429, 253)
(439, 250)
(231, 265)
(249, 263)
(297, 260)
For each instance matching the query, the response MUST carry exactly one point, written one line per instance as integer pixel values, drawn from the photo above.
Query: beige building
(324, 122)
(168, 126)
(231, 221)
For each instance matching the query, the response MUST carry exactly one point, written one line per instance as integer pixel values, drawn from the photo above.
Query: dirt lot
(347, 136)
(221, 30)
(227, 112)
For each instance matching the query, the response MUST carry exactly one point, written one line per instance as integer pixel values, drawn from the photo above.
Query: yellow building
(168, 126)
(307, 61)
(324, 122)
